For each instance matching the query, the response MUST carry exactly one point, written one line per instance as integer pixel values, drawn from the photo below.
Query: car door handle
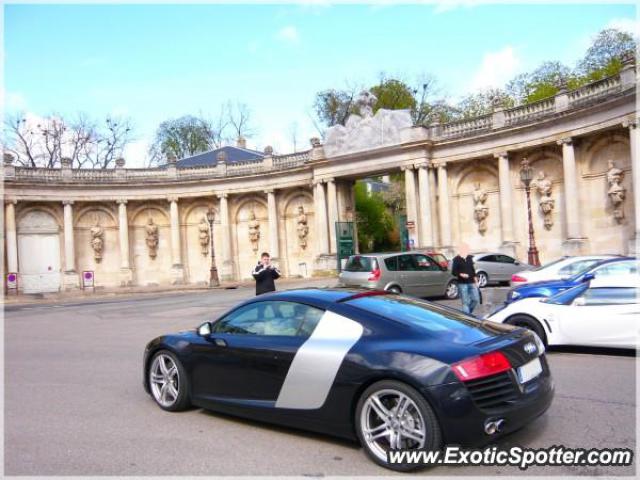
(220, 342)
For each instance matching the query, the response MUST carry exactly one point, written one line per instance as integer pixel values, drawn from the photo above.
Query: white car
(560, 268)
(600, 313)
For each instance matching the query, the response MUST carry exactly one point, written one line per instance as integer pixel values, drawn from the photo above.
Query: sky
(156, 62)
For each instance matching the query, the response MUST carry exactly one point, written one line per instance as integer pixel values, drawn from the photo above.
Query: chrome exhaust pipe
(491, 427)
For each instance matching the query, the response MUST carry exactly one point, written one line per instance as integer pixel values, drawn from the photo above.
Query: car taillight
(518, 278)
(482, 366)
(375, 275)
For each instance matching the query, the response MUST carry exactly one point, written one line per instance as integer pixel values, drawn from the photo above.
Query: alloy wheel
(164, 380)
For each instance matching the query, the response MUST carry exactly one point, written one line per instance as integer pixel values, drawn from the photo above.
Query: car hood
(545, 284)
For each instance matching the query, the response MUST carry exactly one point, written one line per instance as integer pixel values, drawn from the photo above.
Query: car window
(425, 263)
(438, 257)
(550, 264)
(270, 318)
(391, 263)
(358, 263)
(487, 258)
(617, 268)
(576, 267)
(405, 263)
(505, 259)
(610, 296)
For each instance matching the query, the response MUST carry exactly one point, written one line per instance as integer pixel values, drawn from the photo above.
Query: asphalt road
(74, 403)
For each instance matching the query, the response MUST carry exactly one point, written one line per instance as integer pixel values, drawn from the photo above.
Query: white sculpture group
(480, 209)
(152, 238)
(543, 186)
(616, 191)
(97, 240)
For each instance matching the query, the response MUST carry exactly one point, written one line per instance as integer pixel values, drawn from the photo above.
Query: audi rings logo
(530, 348)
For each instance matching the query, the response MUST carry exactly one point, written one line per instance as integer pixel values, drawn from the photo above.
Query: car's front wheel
(168, 382)
(451, 291)
(391, 415)
(483, 279)
(531, 323)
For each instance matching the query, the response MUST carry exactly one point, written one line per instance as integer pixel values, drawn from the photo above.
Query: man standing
(462, 268)
(264, 274)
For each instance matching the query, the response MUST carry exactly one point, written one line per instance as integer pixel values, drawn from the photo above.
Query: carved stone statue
(366, 100)
(254, 231)
(302, 228)
(480, 209)
(152, 238)
(543, 187)
(97, 241)
(203, 228)
(617, 193)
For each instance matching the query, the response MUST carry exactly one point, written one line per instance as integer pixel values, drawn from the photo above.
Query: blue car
(609, 266)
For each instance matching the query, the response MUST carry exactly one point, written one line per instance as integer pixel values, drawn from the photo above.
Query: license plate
(529, 370)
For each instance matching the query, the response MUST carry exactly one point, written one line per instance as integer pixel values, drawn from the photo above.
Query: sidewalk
(124, 292)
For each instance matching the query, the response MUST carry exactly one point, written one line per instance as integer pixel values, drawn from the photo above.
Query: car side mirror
(204, 330)
(588, 277)
(579, 302)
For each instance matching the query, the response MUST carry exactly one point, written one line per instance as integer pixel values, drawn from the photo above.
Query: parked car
(618, 266)
(493, 267)
(391, 371)
(602, 312)
(563, 267)
(413, 273)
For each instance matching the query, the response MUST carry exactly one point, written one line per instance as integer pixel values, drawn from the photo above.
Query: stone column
(12, 237)
(272, 211)
(332, 207)
(574, 241)
(433, 190)
(354, 217)
(225, 249)
(506, 204)
(445, 211)
(426, 219)
(70, 278)
(632, 125)
(126, 275)
(177, 268)
(411, 204)
(321, 218)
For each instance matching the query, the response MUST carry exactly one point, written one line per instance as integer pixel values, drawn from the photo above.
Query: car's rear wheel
(451, 291)
(531, 323)
(483, 279)
(394, 289)
(168, 382)
(392, 415)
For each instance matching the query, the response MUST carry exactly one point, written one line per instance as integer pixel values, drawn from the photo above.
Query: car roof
(393, 254)
(488, 253)
(324, 295)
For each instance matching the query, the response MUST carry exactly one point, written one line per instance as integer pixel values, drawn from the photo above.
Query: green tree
(393, 94)
(374, 221)
(333, 107)
(482, 103)
(604, 56)
(182, 137)
(543, 82)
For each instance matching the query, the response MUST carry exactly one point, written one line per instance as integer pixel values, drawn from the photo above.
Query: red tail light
(482, 366)
(518, 278)
(375, 275)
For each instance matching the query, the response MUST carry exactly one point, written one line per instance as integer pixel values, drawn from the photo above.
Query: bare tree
(293, 132)
(239, 117)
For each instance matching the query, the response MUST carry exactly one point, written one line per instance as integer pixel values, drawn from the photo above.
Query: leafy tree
(604, 56)
(374, 221)
(543, 82)
(183, 137)
(393, 94)
(333, 107)
(482, 103)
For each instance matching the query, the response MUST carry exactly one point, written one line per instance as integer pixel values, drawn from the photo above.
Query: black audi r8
(392, 371)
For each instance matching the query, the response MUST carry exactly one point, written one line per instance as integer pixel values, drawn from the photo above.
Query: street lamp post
(526, 175)
(213, 273)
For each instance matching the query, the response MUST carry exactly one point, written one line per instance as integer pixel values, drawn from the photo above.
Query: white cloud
(496, 69)
(289, 34)
(135, 153)
(628, 25)
(15, 101)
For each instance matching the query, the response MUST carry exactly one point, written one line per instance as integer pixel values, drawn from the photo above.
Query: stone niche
(606, 233)
(107, 267)
(150, 269)
(471, 183)
(197, 262)
(299, 258)
(250, 217)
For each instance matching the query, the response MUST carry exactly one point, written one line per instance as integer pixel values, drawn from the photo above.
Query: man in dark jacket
(264, 274)
(462, 268)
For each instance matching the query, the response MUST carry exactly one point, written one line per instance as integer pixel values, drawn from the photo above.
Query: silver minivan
(413, 273)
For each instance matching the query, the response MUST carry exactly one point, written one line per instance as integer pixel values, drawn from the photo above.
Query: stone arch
(196, 259)
(606, 145)
(468, 174)
(106, 269)
(299, 260)
(133, 214)
(33, 216)
(244, 249)
(106, 213)
(151, 266)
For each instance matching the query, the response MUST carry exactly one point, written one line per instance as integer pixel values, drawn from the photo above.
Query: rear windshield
(358, 263)
(546, 265)
(441, 322)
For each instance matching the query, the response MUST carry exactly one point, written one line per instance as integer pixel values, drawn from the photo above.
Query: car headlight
(513, 295)
(539, 343)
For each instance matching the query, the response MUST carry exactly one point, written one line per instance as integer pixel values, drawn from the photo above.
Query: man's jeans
(470, 296)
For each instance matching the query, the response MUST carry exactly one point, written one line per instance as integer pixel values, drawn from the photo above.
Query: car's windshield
(609, 268)
(358, 263)
(443, 323)
(566, 296)
(547, 265)
(578, 268)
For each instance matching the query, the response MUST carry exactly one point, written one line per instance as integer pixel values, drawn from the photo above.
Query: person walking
(265, 274)
(462, 268)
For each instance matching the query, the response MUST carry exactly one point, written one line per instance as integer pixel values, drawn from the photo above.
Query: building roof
(209, 159)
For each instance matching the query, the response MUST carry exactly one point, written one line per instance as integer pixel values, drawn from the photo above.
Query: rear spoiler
(368, 293)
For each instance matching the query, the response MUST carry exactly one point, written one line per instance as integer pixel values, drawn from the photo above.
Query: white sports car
(597, 314)
(561, 268)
